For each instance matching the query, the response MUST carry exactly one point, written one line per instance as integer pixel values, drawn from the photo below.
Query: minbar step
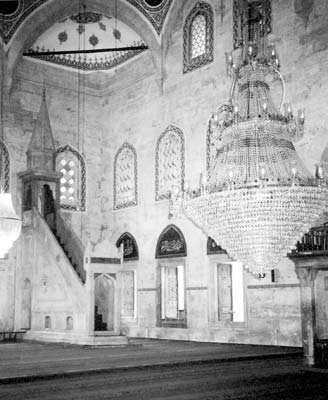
(105, 339)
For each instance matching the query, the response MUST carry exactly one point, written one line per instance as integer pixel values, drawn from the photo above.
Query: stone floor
(30, 361)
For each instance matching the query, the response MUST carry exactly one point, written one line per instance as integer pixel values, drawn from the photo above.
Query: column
(307, 277)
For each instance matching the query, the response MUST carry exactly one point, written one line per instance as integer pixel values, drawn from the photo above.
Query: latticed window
(73, 178)
(125, 177)
(250, 17)
(169, 163)
(5, 168)
(198, 37)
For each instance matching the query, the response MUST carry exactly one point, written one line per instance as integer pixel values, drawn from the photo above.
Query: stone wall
(135, 103)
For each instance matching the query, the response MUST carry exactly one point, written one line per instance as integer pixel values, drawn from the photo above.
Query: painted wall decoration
(169, 162)
(154, 10)
(87, 31)
(5, 168)
(125, 177)
(73, 179)
(15, 12)
(171, 243)
(198, 37)
(128, 294)
(130, 247)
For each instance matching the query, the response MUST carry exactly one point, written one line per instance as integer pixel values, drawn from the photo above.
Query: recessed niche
(8, 7)
(153, 3)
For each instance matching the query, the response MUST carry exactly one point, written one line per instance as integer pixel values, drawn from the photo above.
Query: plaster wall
(135, 103)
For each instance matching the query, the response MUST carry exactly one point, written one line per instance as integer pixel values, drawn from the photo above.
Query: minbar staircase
(67, 253)
(66, 258)
(71, 245)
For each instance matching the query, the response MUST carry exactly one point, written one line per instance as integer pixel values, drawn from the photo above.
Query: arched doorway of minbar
(105, 313)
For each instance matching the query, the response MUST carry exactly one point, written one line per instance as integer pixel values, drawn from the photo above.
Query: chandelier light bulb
(265, 107)
(318, 171)
(301, 116)
(263, 173)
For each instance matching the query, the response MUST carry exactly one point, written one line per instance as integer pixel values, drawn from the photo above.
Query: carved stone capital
(306, 276)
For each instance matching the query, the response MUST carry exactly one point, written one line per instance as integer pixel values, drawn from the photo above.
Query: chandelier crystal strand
(259, 199)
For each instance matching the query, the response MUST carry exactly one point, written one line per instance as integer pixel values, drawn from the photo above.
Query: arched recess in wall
(171, 243)
(130, 247)
(5, 168)
(125, 177)
(44, 17)
(128, 275)
(170, 251)
(73, 178)
(169, 162)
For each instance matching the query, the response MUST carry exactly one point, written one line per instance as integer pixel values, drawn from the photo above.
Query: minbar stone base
(81, 338)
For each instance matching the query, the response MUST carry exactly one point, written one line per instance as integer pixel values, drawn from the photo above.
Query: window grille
(198, 37)
(73, 178)
(169, 162)
(125, 177)
(5, 168)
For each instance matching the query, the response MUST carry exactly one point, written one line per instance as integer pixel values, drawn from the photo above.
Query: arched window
(47, 322)
(69, 323)
(73, 179)
(171, 246)
(198, 37)
(5, 168)
(125, 177)
(169, 162)
(130, 247)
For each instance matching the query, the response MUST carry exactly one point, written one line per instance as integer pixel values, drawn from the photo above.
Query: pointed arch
(44, 17)
(169, 162)
(125, 180)
(71, 164)
(198, 32)
(130, 247)
(171, 243)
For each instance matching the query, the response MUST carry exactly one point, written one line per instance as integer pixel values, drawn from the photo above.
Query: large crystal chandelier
(10, 224)
(258, 199)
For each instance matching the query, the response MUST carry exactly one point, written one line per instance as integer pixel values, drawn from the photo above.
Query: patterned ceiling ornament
(81, 29)
(117, 34)
(154, 10)
(93, 40)
(87, 64)
(87, 17)
(62, 37)
(156, 14)
(102, 26)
